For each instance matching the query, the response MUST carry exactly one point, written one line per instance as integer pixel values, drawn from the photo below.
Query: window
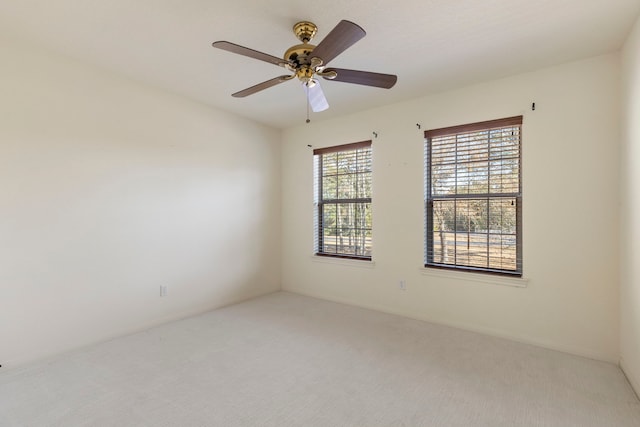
(474, 197)
(343, 201)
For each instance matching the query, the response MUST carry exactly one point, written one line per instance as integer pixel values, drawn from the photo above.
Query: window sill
(518, 282)
(360, 263)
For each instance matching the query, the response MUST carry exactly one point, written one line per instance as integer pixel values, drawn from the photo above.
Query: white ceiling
(432, 45)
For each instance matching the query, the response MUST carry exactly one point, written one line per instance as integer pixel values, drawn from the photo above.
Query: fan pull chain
(307, 91)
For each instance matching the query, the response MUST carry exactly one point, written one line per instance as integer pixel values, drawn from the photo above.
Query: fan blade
(245, 51)
(366, 78)
(343, 36)
(316, 98)
(261, 86)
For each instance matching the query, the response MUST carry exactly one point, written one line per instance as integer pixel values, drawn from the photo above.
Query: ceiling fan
(307, 62)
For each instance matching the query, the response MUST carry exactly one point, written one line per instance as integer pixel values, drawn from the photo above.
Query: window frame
(320, 201)
(429, 135)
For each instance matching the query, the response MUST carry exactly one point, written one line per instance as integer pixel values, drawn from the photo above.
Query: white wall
(630, 224)
(571, 243)
(110, 189)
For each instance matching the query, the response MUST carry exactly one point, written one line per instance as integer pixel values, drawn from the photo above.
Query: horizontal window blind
(474, 197)
(343, 225)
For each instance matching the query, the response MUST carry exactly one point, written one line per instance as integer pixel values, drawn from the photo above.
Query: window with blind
(474, 197)
(343, 201)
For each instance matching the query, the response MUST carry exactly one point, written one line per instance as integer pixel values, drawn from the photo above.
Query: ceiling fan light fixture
(315, 96)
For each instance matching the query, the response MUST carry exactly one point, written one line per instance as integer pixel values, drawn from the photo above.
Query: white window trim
(494, 279)
(361, 263)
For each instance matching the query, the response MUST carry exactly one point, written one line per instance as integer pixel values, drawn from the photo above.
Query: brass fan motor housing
(299, 54)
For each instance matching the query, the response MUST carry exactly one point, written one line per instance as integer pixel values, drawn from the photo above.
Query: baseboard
(633, 379)
(471, 328)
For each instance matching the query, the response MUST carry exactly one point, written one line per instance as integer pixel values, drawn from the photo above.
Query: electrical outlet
(402, 284)
(163, 290)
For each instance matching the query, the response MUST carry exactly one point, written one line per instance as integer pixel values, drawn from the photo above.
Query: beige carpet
(289, 360)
